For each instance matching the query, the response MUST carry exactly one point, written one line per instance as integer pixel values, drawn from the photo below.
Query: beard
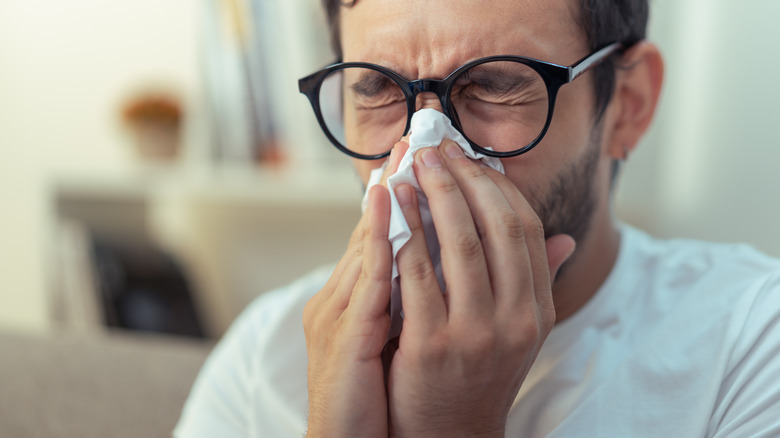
(568, 205)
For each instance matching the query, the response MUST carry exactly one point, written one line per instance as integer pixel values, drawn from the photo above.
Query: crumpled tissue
(428, 129)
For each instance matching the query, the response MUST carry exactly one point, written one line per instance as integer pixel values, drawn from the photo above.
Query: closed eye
(373, 89)
(500, 81)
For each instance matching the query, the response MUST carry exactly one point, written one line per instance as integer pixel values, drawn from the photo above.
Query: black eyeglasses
(503, 105)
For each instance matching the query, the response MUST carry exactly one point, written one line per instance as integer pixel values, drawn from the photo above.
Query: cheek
(364, 167)
(567, 139)
(533, 171)
(572, 122)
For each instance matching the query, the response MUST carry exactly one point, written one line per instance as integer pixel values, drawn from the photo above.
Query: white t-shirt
(682, 340)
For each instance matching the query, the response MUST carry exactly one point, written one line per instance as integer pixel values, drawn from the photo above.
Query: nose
(428, 100)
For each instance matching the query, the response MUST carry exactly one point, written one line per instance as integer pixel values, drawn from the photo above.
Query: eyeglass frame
(553, 75)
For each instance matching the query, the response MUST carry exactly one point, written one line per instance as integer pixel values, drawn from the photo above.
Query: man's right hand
(346, 325)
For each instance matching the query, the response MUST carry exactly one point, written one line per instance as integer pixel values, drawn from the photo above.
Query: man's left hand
(464, 352)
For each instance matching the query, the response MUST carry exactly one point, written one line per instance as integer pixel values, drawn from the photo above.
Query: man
(632, 337)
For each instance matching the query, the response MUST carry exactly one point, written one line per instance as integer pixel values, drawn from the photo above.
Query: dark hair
(604, 22)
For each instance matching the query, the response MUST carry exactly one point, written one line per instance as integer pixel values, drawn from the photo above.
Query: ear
(637, 88)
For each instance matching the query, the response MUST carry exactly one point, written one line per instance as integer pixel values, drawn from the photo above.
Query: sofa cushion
(114, 385)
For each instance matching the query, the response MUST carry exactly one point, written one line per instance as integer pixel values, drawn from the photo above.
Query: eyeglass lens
(501, 105)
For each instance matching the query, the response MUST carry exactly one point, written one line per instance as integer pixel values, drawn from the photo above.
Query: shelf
(340, 187)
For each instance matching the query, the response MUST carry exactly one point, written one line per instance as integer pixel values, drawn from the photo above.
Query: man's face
(431, 38)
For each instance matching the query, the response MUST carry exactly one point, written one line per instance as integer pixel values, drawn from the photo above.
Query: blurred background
(159, 170)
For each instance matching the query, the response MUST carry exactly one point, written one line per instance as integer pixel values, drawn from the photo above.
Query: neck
(588, 267)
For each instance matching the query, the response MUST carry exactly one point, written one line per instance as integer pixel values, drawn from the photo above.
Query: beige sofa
(111, 385)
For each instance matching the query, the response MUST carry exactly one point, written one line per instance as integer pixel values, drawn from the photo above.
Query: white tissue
(428, 129)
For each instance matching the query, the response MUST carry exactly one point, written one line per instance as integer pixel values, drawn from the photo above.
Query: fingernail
(404, 195)
(453, 151)
(431, 158)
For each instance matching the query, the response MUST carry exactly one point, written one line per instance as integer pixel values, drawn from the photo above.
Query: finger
(559, 249)
(462, 257)
(335, 293)
(329, 303)
(353, 253)
(331, 286)
(339, 298)
(343, 280)
(387, 168)
(424, 306)
(355, 247)
(534, 238)
(394, 160)
(500, 228)
(537, 247)
(360, 232)
(372, 291)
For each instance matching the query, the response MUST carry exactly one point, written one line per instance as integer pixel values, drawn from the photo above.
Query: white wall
(64, 68)
(709, 168)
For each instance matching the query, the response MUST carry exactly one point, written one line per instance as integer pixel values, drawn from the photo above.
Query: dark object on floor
(144, 289)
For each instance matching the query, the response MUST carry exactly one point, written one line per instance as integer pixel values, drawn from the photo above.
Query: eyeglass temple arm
(592, 60)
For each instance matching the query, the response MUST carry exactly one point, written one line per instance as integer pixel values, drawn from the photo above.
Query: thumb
(559, 248)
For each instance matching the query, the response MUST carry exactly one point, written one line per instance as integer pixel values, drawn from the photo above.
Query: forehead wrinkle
(432, 60)
(416, 46)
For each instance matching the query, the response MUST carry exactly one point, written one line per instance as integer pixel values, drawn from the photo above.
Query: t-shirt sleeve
(749, 399)
(254, 382)
(218, 405)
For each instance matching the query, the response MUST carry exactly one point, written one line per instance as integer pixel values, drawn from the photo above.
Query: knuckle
(471, 170)
(373, 271)
(526, 341)
(311, 311)
(510, 225)
(359, 234)
(371, 280)
(417, 268)
(445, 185)
(357, 248)
(527, 333)
(434, 350)
(468, 245)
(534, 227)
(363, 279)
(312, 328)
(483, 341)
